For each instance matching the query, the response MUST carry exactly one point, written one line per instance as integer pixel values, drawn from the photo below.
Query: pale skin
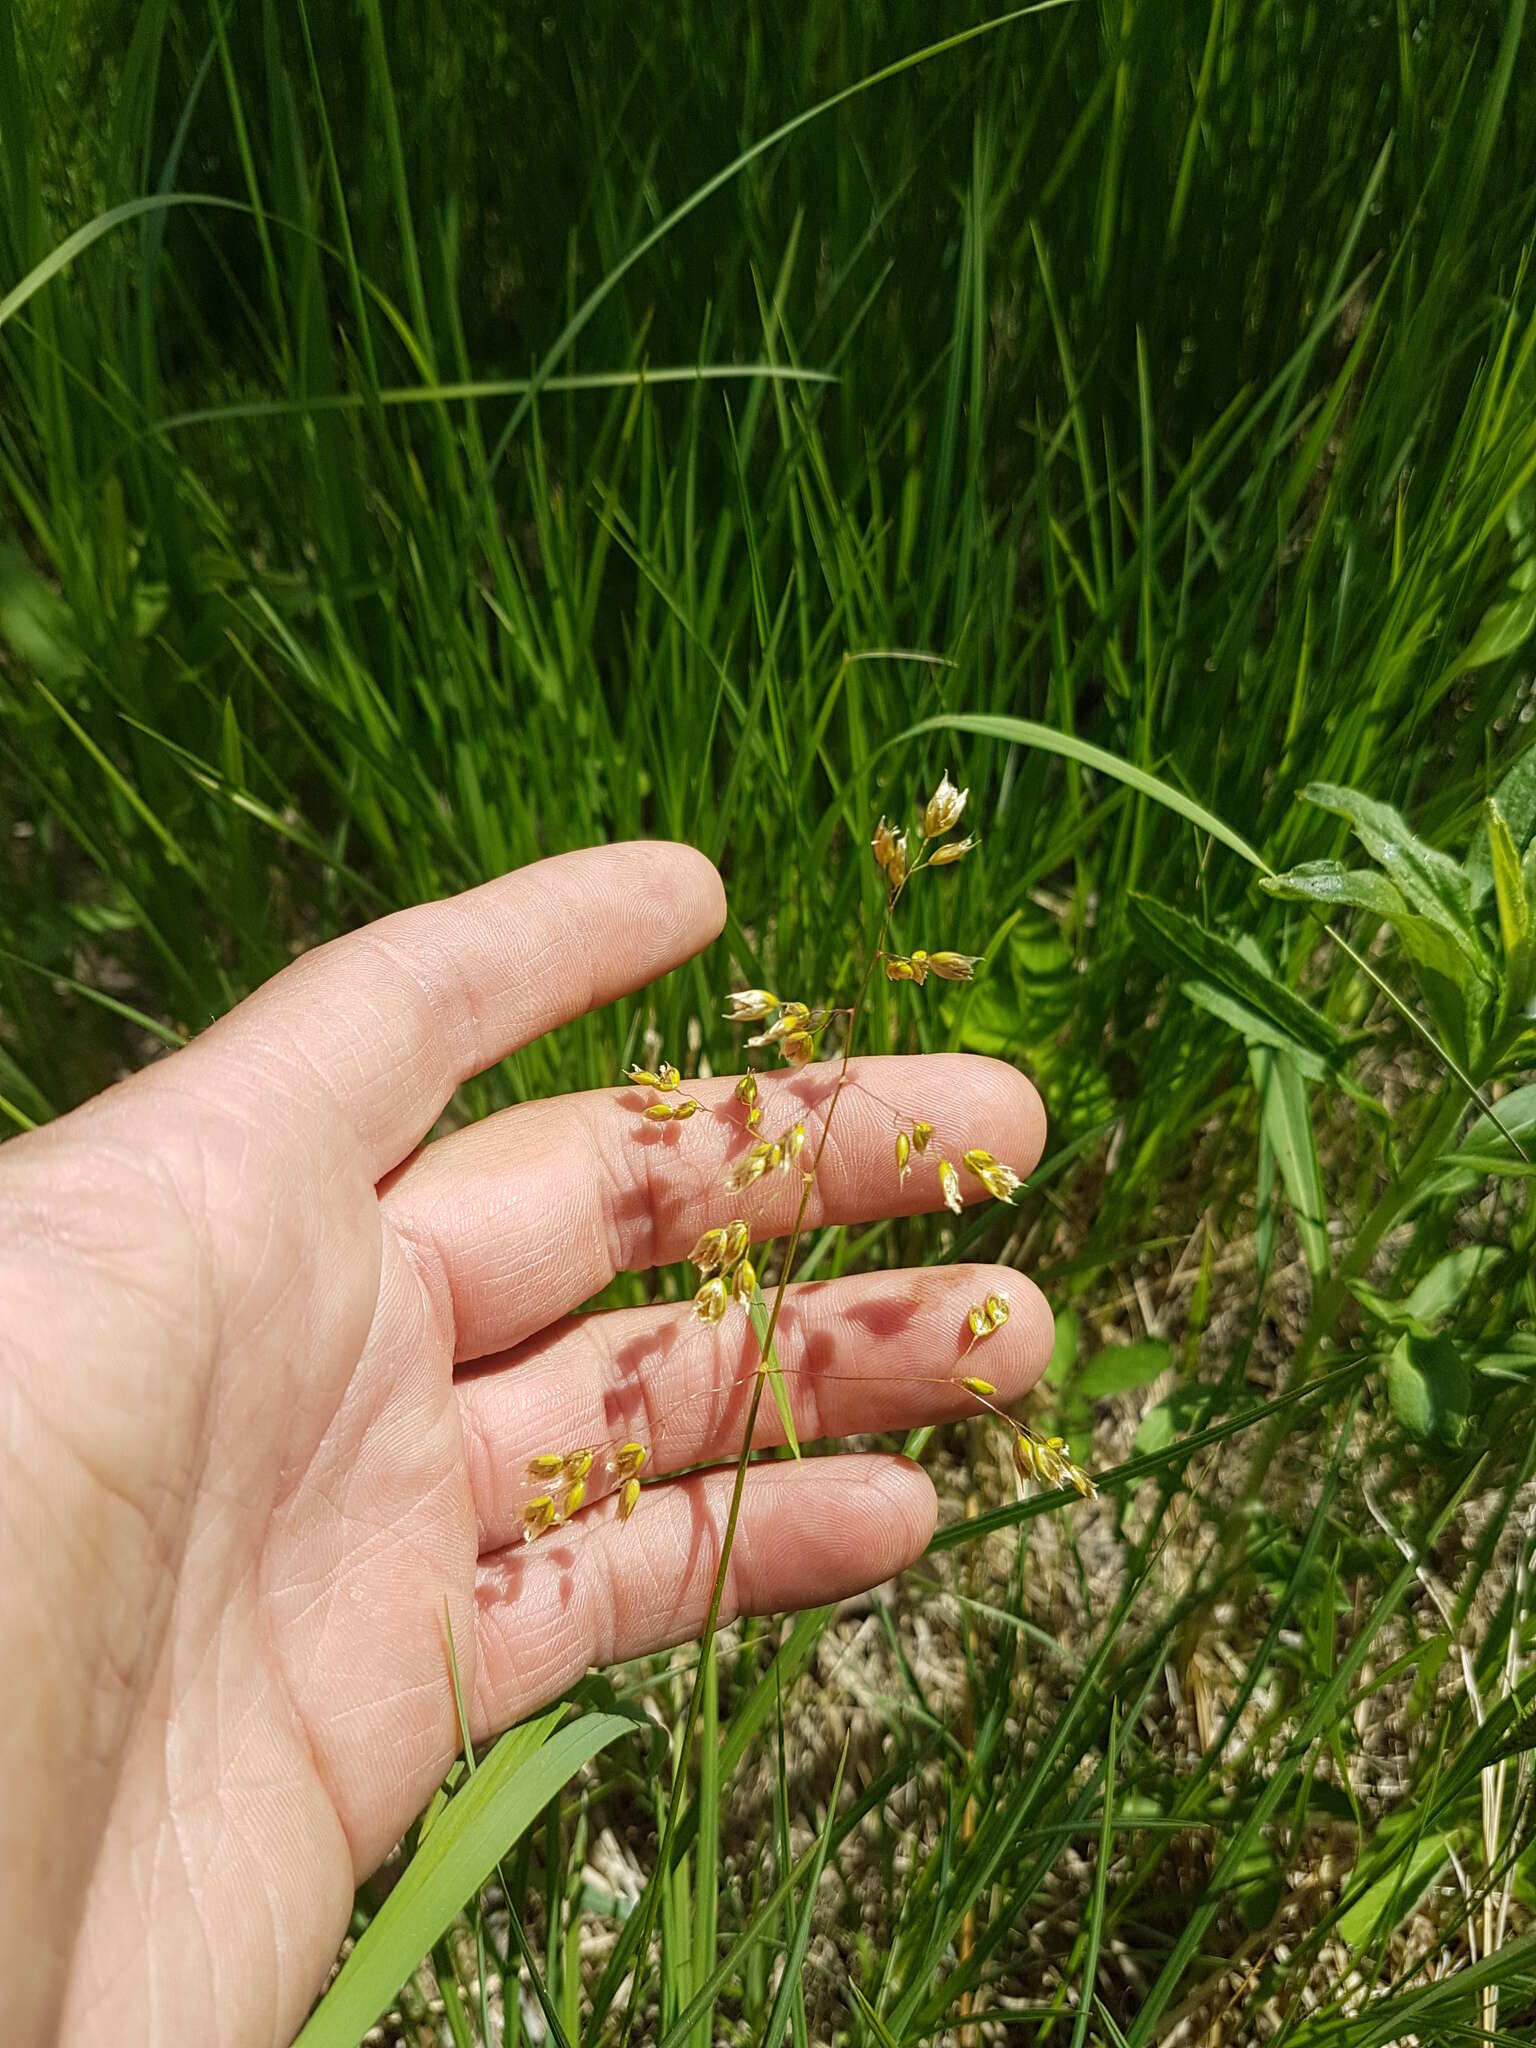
(271, 1372)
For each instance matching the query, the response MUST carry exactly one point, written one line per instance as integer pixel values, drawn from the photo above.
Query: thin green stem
(1326, 1309)
(733, 1517)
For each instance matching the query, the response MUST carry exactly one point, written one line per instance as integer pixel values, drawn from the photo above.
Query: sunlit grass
(1132, 408)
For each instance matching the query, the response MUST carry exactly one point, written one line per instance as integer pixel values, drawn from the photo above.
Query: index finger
(366, 1038)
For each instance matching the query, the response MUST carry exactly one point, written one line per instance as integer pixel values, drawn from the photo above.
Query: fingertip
(698, 873)
(904, 1509)
(674, 892)
(1022, 1111)
(1029, 1335)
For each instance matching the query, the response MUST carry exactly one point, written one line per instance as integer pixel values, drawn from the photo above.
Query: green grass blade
(512, 1786)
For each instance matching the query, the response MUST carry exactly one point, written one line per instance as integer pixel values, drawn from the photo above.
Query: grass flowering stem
(733, 1516)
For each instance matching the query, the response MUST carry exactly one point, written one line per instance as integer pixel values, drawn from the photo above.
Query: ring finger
(878, 1352)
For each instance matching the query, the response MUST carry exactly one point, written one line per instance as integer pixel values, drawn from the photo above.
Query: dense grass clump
(432, 437)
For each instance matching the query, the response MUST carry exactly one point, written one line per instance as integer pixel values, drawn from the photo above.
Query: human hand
(271, 1378)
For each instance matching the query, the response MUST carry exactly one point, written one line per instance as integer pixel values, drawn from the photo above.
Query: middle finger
(877, 1351)
(531, 1212)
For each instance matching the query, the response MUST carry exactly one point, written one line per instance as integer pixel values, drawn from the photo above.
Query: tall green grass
(429, 461)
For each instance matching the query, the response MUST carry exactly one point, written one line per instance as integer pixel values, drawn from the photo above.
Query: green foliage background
(1158, 373)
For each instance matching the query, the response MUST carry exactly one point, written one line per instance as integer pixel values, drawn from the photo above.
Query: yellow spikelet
(943, 810)
(750, 1005)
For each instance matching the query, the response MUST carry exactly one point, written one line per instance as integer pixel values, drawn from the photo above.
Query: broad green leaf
(1444, 1285)
(1330, 882)
(1022, 1011)
(1063, 1349)
(1485, 1149)
(1509, 890)
(1189, 948)
(1512, 1357)
(512, 1786)
(1504, 630)
(1251, 1027)
(1167, 1422)
(1156, 1430)
(37, 623)
(1381, 1308)
(1121, 1367)
(1433, 884)
(1437, 1294)
(1430, 1388)
(1397, 1891)
(1331, 885)
(1258, 1883)
(1516, 799)
(1508, 882)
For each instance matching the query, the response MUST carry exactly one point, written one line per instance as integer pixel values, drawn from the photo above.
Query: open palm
(273, 1377)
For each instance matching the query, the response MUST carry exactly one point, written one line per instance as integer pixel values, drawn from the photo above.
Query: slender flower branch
(743, 1459)
(721, 1255)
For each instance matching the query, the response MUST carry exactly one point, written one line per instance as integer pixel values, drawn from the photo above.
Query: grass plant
(435, 437)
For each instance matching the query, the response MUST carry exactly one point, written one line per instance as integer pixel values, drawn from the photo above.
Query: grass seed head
(575, 1497)
(751, 1166)
(890, 849)
(982, 1389)
(903, 1158)
(997, 1311)
(1000, 1182)
(628, 1459)
(744, 1283)
(538, 1516)
(792, 1021)
(745, 1091)
(945, 856)
(1048, 1462)
(949, 1181)
(709, 1252)
(576, 1464)
(954, 966)
(980, 1327)
(799, 1048)
(629, 1495)
(712, 1300)
(921, 1134)
(547, 1465)
(670, 1112)
(735, 1239)
(943, 810)
(792, 1144)
(750, 1005)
